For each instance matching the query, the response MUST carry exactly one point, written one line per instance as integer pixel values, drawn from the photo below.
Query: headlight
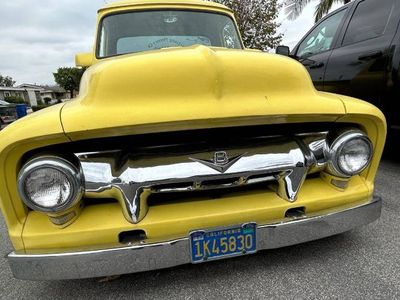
(50, 184)
(350, 153)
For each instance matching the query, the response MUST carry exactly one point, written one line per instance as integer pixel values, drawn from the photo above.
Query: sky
(294, 30)
(38, 37)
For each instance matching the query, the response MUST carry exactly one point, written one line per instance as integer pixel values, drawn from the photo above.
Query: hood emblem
(221, 161)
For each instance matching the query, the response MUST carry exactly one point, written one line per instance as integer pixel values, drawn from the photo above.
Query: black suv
(355, 51)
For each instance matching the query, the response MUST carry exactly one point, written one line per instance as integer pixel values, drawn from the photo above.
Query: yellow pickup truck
(182, 147)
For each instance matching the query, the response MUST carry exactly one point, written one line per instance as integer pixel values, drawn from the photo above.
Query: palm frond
(293, 8)
(324, 7)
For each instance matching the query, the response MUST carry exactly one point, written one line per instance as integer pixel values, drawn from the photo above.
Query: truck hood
(193, 87)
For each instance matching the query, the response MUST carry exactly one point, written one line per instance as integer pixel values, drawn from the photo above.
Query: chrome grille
(131, 179)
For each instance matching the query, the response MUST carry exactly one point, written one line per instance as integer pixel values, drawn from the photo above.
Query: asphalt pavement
(361, 264)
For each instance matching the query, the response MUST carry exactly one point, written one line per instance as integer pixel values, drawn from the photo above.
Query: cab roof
(133, 3)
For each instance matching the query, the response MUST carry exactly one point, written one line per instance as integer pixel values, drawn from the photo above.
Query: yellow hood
(193, 87)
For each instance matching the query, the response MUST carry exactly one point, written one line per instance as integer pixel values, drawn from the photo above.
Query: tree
(69, 78)
(293, 8)
(47, 100)
(257, 22)
(6, 81)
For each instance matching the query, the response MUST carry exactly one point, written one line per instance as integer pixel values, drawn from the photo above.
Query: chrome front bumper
(167, 254)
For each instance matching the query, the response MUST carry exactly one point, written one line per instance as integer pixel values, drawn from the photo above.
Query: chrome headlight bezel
(73, 174)
(336, 146)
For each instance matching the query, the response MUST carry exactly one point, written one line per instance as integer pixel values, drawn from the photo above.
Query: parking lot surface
(361, 264)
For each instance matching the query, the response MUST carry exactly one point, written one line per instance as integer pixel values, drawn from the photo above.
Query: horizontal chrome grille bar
(211, 184)
(132, 179)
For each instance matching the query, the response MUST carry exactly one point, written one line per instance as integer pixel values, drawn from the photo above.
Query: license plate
(216, 244)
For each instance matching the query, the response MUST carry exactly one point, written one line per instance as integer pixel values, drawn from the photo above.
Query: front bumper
(145, 257)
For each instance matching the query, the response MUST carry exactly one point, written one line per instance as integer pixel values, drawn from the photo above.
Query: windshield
(152, 30)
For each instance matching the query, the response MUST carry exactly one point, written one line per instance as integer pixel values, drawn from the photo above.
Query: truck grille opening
(149, 169)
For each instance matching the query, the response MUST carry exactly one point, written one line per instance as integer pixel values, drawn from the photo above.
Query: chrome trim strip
(131, 178)
(145, 257)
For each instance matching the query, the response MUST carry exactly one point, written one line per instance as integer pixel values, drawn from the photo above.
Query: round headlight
(50, 184)
(350, 153)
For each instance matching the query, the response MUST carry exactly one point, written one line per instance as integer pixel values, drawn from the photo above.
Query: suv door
(314, 50)
(358, 66)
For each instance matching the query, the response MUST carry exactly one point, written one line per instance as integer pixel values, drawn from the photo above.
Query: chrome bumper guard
(145, 257)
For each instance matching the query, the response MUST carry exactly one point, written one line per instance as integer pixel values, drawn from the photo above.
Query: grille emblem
(221, 158)
(221, 161)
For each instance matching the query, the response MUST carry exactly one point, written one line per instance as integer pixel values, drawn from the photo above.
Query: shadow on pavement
(392, 147)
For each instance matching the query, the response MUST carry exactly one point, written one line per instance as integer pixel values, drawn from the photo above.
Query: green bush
(47, 100)
(40, 103)
(39, 107)
(14, 99)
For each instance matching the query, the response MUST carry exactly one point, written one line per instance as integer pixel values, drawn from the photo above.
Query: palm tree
(293, 8)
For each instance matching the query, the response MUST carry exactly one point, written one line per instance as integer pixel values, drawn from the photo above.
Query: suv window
(369, 21)
(321, 38)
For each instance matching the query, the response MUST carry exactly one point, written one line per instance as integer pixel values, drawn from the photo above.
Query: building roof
(54, 89)
(9, 88)
(20, 88)
(41, 88)
(162, 2)
(30, 86)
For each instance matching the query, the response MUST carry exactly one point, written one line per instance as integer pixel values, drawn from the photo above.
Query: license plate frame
(220, 239)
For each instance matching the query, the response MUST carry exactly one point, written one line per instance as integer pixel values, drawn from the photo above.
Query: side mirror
(283, 50)
(84, 59)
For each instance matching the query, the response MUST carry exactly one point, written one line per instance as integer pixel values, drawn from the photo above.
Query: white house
(29, 95)
(53, 92)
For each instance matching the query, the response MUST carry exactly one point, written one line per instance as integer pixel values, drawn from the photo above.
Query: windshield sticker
(145, 43)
